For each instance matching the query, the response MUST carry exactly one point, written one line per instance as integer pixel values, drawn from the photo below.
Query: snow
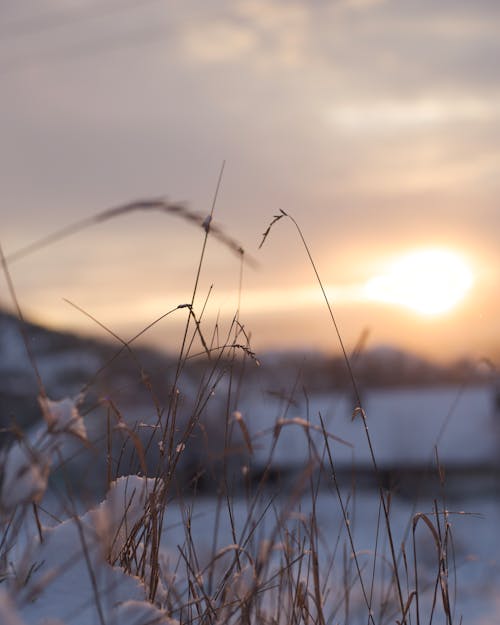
(62, 417)
(115, 517)
(25, 476)
(26, 464)
(477, 552)
(8, 611)
(67, 577)
(404, 425)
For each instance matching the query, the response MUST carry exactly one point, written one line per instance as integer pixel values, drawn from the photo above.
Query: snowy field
(406, 427)
(55, 581)
(475, 535)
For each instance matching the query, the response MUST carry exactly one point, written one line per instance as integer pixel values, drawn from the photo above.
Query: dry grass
(280, 565)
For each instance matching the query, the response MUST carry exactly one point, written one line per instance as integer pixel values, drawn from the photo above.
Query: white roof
(404, 426)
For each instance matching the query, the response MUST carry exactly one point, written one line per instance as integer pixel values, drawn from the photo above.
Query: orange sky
(374, 123)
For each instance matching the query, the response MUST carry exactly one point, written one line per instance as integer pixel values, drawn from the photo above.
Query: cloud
(413, 113)
(361, 4)
(365, 120)
(218, 41)
(261, 35)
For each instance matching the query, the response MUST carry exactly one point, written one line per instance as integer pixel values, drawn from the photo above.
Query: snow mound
(26, 464)
(115, 517)
(25, 476)
(67, 577)
(63, 417)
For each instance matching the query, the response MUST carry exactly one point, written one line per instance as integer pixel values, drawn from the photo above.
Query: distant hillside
(68, 363)
(379, 367)
(128, 393)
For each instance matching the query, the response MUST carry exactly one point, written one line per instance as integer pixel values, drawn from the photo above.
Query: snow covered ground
(69, 594)
(474, 525)
(57, 581)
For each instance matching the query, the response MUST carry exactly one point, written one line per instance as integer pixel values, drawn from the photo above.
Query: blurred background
(374, 123)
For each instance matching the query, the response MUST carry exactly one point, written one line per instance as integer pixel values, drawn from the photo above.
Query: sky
(374, 124)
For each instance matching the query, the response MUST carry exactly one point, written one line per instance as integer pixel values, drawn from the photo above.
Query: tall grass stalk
(289, 572)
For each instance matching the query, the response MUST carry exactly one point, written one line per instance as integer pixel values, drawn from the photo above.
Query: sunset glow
(373, 124)
(430, 282)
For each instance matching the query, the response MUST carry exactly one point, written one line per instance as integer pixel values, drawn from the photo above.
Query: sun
(428, 281)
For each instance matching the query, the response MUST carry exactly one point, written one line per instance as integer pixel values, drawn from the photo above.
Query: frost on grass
(68, 578)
